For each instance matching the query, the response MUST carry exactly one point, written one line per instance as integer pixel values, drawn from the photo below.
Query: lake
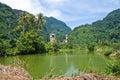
(43, 65)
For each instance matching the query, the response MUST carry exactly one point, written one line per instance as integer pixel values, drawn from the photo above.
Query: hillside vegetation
(101, 31)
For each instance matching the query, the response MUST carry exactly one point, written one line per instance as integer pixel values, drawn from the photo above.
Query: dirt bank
(89, 76)
(13, 73)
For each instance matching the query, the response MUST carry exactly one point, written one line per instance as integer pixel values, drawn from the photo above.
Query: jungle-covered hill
(101, 31)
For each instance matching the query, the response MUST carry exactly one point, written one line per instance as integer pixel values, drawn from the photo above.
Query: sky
(72, 12)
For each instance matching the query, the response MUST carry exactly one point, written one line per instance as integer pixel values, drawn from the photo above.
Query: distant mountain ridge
(9, 20)
(110, 21)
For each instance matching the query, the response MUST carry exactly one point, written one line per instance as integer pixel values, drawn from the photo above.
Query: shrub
(30, 43)
(55, 47)
(49, 47)
(91, 47)
(6, 48)
(114, 67)
(52, 47)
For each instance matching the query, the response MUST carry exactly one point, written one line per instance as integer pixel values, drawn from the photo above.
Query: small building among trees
(52, 38)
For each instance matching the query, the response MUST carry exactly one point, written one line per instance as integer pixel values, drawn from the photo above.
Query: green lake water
(67, 64)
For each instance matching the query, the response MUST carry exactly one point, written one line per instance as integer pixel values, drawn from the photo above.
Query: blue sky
(72, 12)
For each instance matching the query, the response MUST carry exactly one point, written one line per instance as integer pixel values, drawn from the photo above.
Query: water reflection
(66, 58)
(72, 70)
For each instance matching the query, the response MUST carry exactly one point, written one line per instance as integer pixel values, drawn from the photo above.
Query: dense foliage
(29, 40)
(113, 68)
(30, 43)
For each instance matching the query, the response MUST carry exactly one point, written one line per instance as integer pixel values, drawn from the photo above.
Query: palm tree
(28, 21)
(22, 21)
(40, 21)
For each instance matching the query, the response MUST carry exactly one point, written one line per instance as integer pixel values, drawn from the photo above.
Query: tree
(29, 40)
(29, 21)
(22, 21)
(91, 46)
(30, 43)
(40, 21)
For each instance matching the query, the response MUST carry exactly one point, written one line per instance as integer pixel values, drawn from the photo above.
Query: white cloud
(36, 7)
(54, 4)
(54, 1)
(18, 4)
(52, 8)
(32, 6)
(54, 13)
